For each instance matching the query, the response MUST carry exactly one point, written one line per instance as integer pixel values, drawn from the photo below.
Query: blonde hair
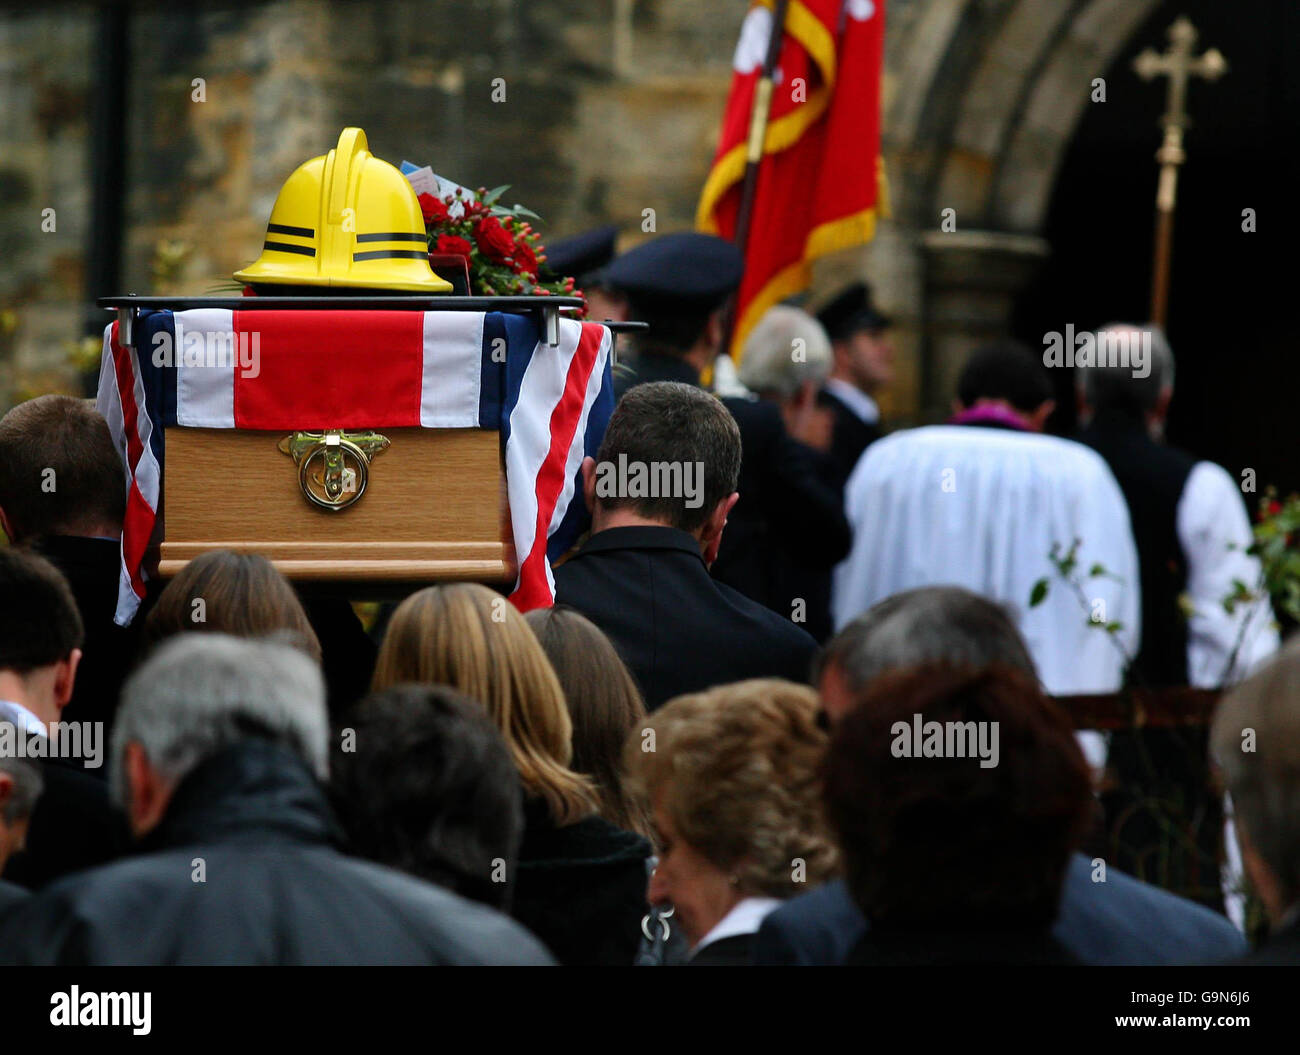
(466, 636)
(736, 771)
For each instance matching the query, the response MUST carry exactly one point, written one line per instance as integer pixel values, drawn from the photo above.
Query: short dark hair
(431, 789)
(60, 472)
(39, 621)
(930, 624)
(667, 422)
(934, 842)
(1004, 370)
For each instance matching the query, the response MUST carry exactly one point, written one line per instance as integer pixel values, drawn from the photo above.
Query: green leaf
(491, 196)
(1096, 570)
(1114, 627)
(1038, 594)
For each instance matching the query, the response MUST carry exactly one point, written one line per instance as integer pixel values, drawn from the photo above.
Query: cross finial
(1178, 64)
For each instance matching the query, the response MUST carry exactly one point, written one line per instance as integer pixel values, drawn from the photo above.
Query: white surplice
(982, 508)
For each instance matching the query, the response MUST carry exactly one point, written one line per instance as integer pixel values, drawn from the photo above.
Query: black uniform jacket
(242, 870)
(676, 628)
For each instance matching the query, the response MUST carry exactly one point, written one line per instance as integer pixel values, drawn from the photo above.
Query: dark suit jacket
(1121, 921)
(73, 827)
(677, 629)
(850, 435)
(735, 951)
(1007, 948)
(92, 567)
(788, 530)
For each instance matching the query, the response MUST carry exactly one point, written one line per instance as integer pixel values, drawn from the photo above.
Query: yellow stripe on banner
(844, 233)
(785, 131)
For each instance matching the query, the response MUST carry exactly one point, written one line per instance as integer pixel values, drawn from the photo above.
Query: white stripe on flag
(453, 369)
(530, 432)
(206, 356)
(578, 450)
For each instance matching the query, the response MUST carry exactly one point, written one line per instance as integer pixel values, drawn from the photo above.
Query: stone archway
(981, 100)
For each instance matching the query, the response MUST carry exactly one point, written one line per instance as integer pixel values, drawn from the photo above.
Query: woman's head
(957, 794)
(466, 636)
(233, 593)
(731, 776)
(604, 705)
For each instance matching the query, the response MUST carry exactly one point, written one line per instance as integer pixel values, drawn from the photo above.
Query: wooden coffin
(434, 508)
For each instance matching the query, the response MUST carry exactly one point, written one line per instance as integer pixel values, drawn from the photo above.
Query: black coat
(275, 890)
(581, 888)
(93, 568)
(734, 951)
(74, 826)
(788, 530)
(676, 628)
(850, 435)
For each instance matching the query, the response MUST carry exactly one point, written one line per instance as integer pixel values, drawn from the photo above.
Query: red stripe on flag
(138, 525)
(329, 370)
(533, 590)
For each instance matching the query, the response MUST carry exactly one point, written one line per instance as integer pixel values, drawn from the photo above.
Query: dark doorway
(1234, 311)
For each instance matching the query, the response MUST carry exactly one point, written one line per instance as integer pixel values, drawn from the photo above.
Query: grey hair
(28, 785)
(931, 624)
(769, 363)
(1255, 739)
(201, 693)
(1111, 384)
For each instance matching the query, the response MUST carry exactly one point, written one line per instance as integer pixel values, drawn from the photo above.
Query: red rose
(432, 209)
(525, 259)
(454, 245)
(493, 239)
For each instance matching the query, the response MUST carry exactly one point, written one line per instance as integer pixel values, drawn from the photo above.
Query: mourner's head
(202, 695)
(472, 639)
(957, 795)
(733, 790)
(787, 356)
(60, 473)
(679, 284)
(40, 634)
(428, 787)
(1255, 741)
(231, 593)
(859, 335)
(1006, 376)
(1130, 374)
(932, 624)
(670, 458)
(20, 786)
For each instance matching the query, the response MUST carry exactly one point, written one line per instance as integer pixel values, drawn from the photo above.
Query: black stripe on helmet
(394, 236)
(392, 254)
(284, 228)
(285, 247)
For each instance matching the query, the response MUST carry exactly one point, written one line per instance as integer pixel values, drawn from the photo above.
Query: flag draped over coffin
(438, 369)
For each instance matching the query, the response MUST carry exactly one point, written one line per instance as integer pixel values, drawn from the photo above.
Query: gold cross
(1178, 65)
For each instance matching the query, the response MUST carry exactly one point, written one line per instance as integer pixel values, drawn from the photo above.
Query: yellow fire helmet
(346, 220)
